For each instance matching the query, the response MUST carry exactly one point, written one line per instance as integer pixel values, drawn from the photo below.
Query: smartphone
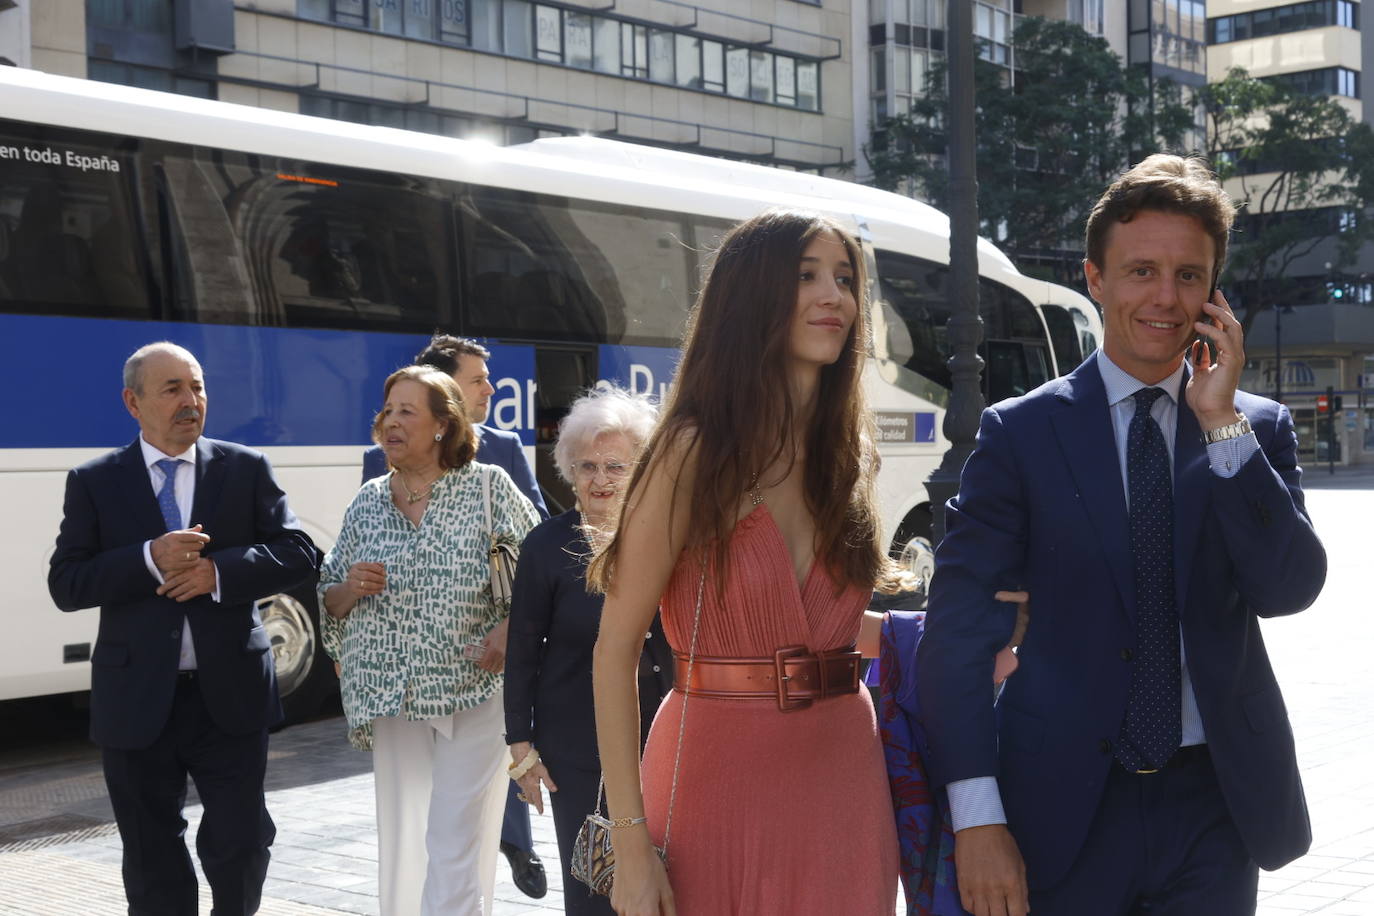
(474, 651)
(1207, 344)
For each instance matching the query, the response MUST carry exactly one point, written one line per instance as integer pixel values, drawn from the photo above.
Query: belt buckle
(780, 657)
(823, 658)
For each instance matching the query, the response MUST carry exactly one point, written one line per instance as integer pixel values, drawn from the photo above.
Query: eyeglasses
(613, 469)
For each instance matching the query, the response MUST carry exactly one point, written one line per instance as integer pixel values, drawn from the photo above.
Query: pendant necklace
(414, 496)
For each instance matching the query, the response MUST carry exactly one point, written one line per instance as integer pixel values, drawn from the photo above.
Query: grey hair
(133, 366)
(602, 410)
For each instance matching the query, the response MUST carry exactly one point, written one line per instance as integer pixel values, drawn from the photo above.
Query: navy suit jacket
(1042, 506)
(257, 546)
(494, 446)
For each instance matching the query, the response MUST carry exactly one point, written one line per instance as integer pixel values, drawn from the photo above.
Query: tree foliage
(1301, 169)
(1048, 141)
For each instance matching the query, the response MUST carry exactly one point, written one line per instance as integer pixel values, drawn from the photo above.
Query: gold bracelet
(617, 821)
(516, 770)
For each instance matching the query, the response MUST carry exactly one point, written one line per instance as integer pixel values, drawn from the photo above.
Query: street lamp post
(1278, 353)
(965, 326)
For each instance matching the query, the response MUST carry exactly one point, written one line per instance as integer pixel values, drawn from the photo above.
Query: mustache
(186, 413)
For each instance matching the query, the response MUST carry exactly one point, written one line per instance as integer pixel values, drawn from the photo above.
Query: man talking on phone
(1140, 760)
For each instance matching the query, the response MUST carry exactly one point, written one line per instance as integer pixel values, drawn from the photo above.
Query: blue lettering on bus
(925, 427)
(643, 370)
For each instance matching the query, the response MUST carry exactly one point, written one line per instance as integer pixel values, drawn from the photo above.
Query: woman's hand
(1007, 661)
(529, 783)
(365, 579)
(641, 882)
(494, 659)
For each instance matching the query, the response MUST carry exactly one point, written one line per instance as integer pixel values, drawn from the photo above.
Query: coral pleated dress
(776, 812)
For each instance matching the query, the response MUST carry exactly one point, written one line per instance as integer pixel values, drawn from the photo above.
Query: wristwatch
(1234, 431)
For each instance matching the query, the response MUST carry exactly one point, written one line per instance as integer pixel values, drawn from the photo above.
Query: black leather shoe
(526, 871)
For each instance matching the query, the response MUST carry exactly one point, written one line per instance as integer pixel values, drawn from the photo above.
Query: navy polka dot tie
(1153, 726)
(167, 496)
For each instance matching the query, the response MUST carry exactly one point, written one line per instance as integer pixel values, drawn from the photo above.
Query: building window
(109, 71)
(362, 111)
(582, 39)
(992, 26)
(1316, 14)
(133, 15)
(1324, 81)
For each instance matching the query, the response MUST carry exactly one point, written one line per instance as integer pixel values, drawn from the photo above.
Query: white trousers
(439, 806)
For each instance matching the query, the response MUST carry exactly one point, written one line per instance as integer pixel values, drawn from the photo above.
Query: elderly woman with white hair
(550, 722)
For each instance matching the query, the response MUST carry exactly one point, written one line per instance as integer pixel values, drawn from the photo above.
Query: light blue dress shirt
(977, 801)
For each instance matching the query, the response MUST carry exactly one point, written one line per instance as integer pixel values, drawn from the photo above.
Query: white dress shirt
(976, 802)
(185, 490)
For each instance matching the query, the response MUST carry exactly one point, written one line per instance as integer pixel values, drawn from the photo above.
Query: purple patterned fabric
(923, 822)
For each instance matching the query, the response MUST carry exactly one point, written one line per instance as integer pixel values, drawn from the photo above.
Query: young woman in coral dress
(750, 516)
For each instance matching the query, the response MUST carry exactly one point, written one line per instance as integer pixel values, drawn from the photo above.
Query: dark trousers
(148, 791)
(574, 800)
(1162, 844)
(515, 823)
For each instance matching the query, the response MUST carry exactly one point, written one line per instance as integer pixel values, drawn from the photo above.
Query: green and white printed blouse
(402, 650)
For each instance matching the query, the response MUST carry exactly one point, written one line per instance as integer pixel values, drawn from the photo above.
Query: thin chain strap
(682, 722)
(681, 726)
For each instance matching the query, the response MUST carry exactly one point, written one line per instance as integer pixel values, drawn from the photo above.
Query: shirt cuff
(975, 802)
(148, 561)
(214, 596)
(1229, 455)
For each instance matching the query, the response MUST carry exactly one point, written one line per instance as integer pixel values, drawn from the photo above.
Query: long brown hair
(731, 406)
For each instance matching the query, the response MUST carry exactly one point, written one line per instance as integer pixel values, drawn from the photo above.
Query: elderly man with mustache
(174, 537)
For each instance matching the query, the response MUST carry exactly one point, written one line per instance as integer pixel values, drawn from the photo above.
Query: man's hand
(992, 877)
(1006, 661)
(192, 582)
(1211, 391)
(494, 659)
(178, 550)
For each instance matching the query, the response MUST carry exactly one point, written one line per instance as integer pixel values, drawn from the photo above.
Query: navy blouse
(553, 626)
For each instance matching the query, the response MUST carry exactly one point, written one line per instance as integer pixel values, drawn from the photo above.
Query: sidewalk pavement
(60, 854)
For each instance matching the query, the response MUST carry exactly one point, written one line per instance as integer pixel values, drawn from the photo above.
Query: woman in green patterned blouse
(411, 619)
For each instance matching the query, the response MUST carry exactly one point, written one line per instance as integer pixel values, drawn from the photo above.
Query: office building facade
(763, 81)
(1324, 337)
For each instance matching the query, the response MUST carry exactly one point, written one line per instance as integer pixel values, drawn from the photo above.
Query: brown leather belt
(793, 676)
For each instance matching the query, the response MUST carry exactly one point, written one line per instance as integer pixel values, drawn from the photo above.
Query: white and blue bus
(304, 259)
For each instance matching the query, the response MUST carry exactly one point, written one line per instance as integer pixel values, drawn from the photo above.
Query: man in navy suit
(1140, 760)
(175, 536)
(466, 361)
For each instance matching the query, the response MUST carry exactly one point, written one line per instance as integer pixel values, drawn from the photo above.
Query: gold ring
(188, 554)
(523, 797)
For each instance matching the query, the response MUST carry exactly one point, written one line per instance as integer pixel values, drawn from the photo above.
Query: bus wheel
(918, 558)
(305, 676)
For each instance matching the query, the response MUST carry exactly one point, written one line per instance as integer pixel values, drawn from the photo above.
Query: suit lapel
(138, 490)
(209, 474)
(1191, 472)
(1084, 429)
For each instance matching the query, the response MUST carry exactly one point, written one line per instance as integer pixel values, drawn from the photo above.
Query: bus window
(69, 232)
(1063, 337)
(917, 291)
(288, 243)
(559, 269)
